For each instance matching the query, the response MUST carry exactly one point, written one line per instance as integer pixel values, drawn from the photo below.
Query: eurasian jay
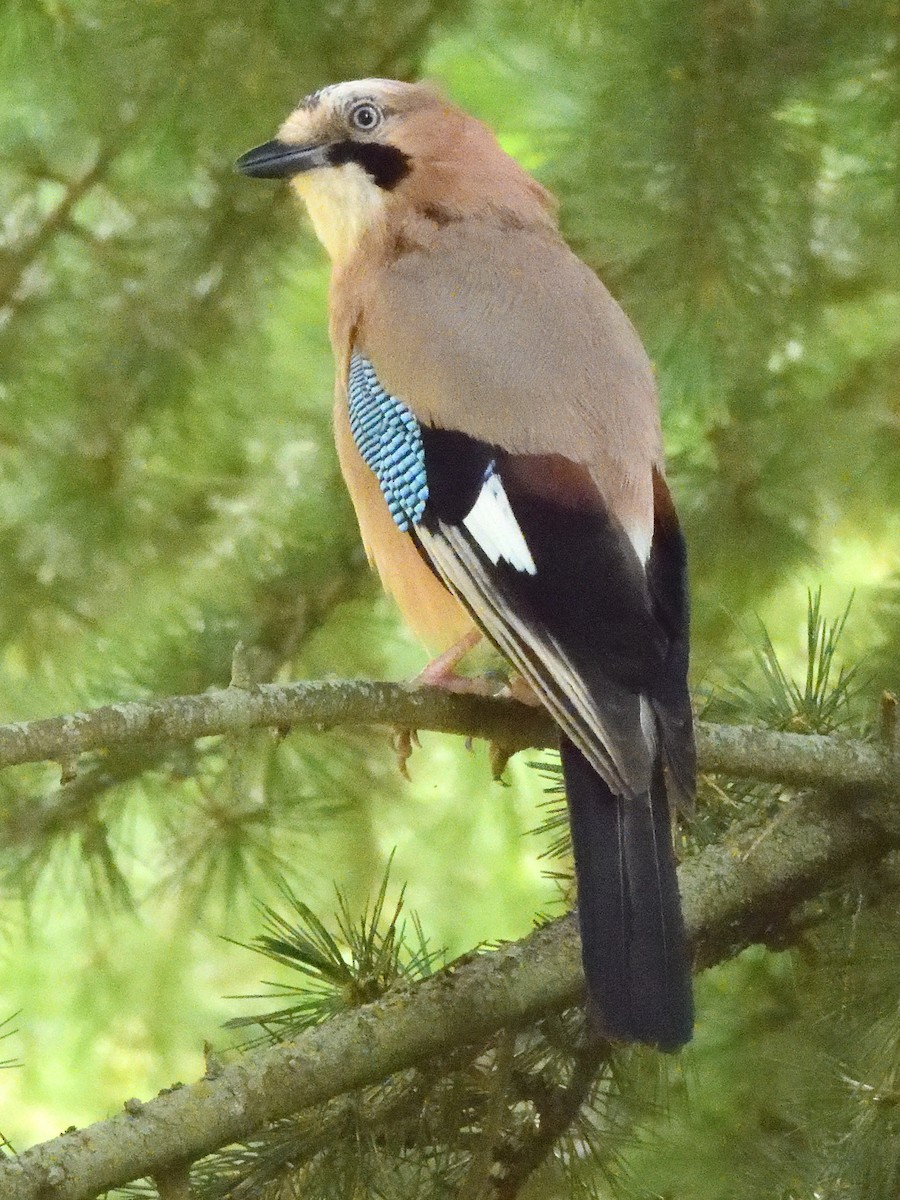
(498, 429)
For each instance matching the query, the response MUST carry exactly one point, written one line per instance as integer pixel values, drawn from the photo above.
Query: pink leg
(440, 672)
(518, 688)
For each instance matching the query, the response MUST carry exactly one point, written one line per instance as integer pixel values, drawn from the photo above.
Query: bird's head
(357, 151)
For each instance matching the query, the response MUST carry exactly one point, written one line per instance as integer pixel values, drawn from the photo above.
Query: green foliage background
(168, 488)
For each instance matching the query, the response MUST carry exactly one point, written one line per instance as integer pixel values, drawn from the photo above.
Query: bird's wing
(507, 336)
(508, 410)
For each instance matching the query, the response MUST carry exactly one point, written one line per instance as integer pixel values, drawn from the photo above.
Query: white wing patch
(493, 525)
(641, 537)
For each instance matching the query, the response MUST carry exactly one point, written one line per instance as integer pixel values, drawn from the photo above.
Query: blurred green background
(168, 488)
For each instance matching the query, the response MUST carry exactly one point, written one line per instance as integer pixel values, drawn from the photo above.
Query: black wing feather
(590, 616)
(596, 635)
(559, 588)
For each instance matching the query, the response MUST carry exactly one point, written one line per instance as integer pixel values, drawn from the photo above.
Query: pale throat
(343, 203)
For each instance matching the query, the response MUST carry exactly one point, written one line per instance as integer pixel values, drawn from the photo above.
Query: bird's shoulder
(497, 328)
(495, 271)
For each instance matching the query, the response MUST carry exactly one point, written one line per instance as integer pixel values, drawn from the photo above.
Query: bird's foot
(441, 673)
(518, 688)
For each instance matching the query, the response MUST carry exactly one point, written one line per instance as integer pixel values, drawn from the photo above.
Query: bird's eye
(365, 116)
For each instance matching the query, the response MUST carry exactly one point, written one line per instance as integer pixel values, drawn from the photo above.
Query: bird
(497, 425)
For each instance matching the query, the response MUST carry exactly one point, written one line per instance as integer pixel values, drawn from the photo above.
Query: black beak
(280, 160)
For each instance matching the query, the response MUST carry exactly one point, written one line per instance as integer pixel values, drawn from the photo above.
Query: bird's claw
(498, 757)
(404, 741)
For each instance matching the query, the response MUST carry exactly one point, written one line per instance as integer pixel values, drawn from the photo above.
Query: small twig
(558, 1107)
(174, 1184)
(888, 725)
(16, 261)
(767, 830)
(477, 1183)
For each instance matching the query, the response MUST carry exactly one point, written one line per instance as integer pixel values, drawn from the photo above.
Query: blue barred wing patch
(388, 437)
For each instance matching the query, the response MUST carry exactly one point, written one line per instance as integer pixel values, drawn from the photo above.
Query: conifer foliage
(172, 517)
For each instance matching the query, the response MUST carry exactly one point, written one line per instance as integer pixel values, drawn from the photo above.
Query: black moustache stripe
(385, 164)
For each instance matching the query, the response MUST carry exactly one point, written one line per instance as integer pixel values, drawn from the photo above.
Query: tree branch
(235, 710)
(558, 1109)
(14, 263)
(793, 759)
(734, 894)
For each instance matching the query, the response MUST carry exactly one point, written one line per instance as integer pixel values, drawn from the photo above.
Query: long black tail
(633, 942)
